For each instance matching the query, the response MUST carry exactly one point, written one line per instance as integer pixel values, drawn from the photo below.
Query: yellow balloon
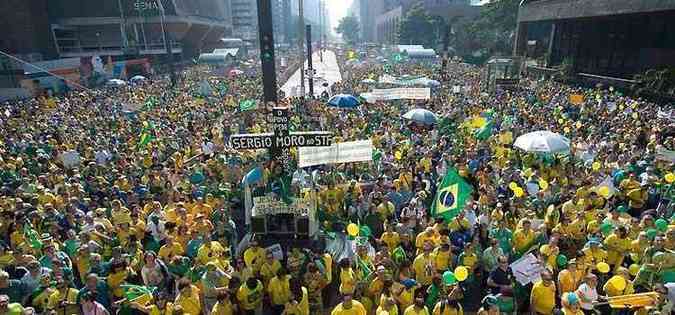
(352, 229)
(567, 129)
(578, 125)
(513, 186)
(561, 121)
(670, 178)
(461, 273)
(543, 184)
(596, 166)
(603, 191)
(603, 267)
(618, 282)
(519, 192)
(634, 269)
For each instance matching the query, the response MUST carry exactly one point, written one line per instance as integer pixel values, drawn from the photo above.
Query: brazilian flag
(451, 196)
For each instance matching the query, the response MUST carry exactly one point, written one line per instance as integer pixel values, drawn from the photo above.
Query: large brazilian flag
(451, 196)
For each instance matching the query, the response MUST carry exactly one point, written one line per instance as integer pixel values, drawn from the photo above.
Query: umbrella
(234, 72)
(116, 82)
(543, 141)
(137, 78)
(343, 101)
(368, 81)
(421, 115)
(433, 83)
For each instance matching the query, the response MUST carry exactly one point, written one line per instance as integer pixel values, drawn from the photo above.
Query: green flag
(32, 236)
(484, 132)
(147, 135)
(451, 196)
(247, 105)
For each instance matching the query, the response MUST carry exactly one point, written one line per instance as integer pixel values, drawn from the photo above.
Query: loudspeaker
(258, 225)
(302, 225)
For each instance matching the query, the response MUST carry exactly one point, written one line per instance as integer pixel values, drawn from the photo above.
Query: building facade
(245, 20)
(616, 38)
(134, 27)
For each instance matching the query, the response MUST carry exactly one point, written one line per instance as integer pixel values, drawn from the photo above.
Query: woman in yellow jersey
(347, 277)
(162, 306)
(299, 301)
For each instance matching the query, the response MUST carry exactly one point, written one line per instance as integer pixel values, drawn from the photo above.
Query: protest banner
(399, 93)
(527, 269)
(268, 205)
(276, 251)
(345, 152)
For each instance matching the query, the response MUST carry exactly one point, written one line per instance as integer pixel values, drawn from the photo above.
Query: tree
(417, 28)
(493, 30)
(349, 28)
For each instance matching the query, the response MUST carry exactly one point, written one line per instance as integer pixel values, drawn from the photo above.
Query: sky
(337, 10)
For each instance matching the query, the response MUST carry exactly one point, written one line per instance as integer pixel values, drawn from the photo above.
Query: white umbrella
(421, 115)
(137, 78)
(116, 82)
(543, 141)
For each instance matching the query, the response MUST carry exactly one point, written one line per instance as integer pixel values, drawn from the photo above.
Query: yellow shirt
(254, 257)
(168, 251)
(70, 297)
(381, 311)
(301, 308)
(347, 281)
(356, 309)
(391, 239)
(522, 240)
(542, 298)
(222, 308)
(616, 247)
(424, 268)
(250, 299)
(190, 302)
(448, 310)
(168, 309)
(269, 270)
(412, 310)
(279, 290)
(209, 253)
(442, 259)
(569, 281)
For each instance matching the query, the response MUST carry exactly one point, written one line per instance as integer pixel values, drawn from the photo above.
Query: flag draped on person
(147, 134)
(451, 196)
(31, 236)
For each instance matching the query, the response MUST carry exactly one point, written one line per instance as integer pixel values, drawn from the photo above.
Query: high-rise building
(245, 20)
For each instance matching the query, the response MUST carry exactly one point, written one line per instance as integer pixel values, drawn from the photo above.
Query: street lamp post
(98, 39)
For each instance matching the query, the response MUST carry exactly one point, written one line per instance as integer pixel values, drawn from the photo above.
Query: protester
(131, 199)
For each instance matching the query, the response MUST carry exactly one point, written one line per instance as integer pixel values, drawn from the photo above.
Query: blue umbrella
(421, 116)
(343, 101)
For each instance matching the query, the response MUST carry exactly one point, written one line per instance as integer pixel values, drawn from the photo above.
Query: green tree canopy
(417, 28)
(349, 28)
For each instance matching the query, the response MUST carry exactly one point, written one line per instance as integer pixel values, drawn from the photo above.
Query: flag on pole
(451, 196)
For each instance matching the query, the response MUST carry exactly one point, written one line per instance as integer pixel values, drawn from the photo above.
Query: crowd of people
(129, 200)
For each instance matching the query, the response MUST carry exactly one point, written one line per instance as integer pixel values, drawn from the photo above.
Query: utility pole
(310, 69)
(301, 39)
(266, 36)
